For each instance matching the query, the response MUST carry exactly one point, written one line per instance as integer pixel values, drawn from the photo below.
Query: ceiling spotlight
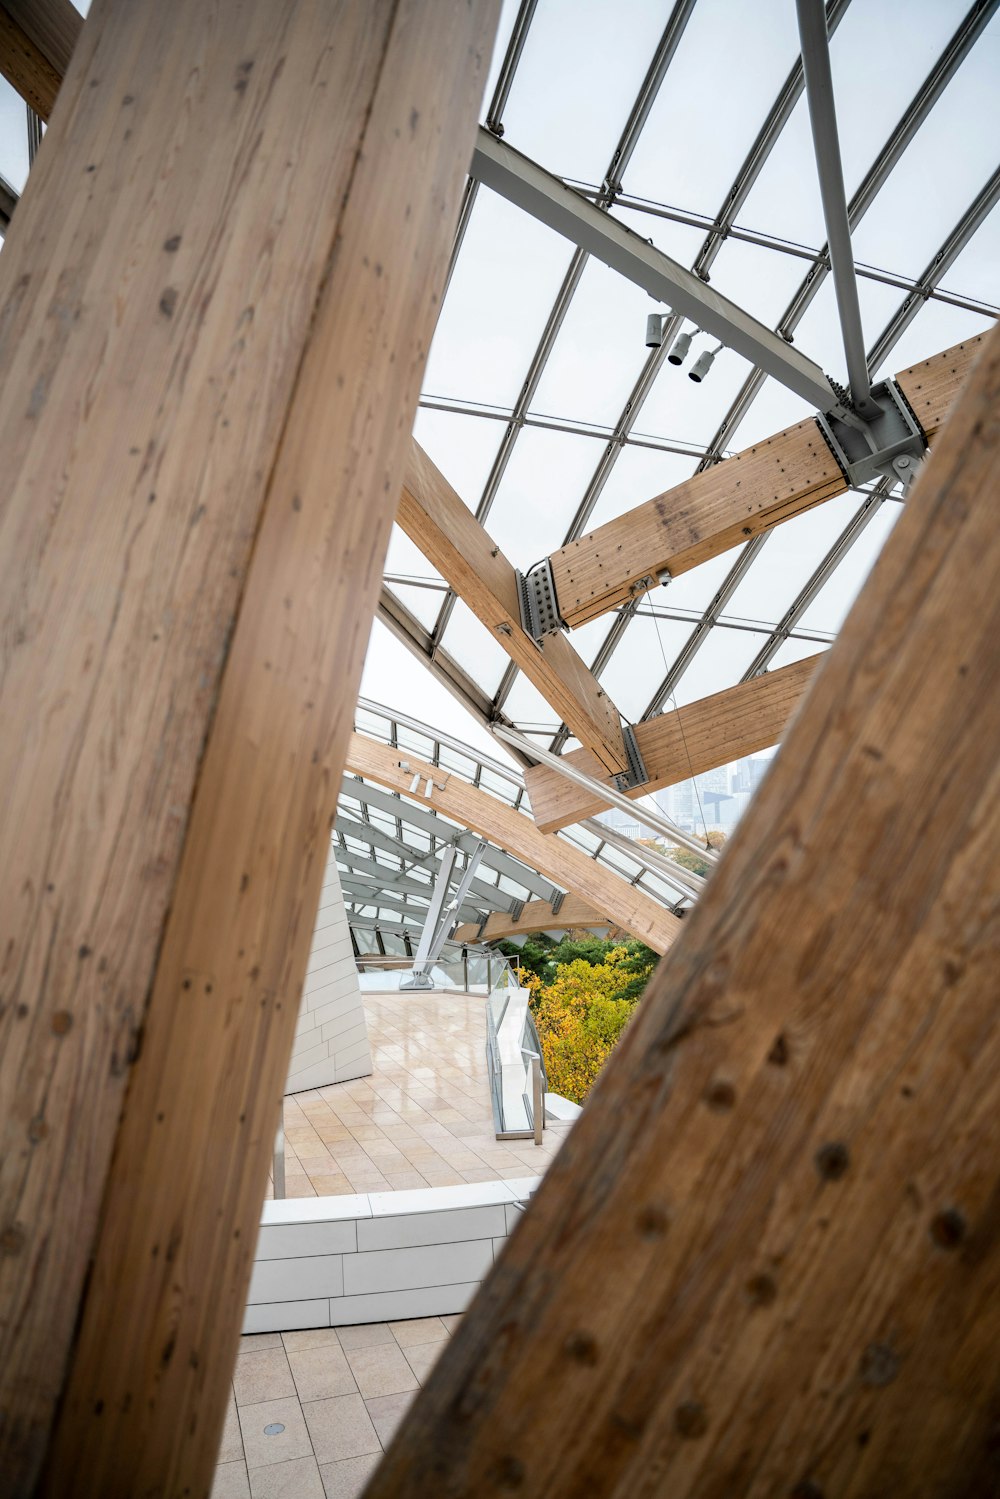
(702, 365)
(680, 349)
(654, 330)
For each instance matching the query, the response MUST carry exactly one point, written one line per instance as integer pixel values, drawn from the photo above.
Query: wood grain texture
(536, 916)
(25, 67)
(707, 514)
(53, 27)
(448, 534)
(687, 741)
(932, 386)
(731, 502)
(211, 361)
(516, 833)
(766, 1261)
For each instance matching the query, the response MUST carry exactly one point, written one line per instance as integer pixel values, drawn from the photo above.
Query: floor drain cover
(275, 1429)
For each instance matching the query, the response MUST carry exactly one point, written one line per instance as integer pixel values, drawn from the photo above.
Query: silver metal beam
(826, 144)
(778, 117)
(654, 820)
(432, 822)
(938, 266)
(549, 200)
(439, 894)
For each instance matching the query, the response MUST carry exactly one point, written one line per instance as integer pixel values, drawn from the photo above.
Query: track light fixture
(703, 364)
(654, 329)
(680, 348)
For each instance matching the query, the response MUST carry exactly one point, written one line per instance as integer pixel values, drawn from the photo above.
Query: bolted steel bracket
(636, 773)
(890, 446)
(536, 596)
(557, 901)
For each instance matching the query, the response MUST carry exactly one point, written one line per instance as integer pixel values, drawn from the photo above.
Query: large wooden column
(215, 305)
(766, 1261)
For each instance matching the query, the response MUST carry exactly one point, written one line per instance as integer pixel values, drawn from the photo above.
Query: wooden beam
(536, 916)
(212, 360)
(516, 833)
(448, 534)
(37, 38)
(766, 1260)
(730, 502)
(685, 742)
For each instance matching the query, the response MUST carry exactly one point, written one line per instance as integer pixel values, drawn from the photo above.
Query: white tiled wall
(380, 1256)
(331, 1037)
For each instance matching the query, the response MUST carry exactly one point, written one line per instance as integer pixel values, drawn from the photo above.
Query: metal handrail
(648, 862)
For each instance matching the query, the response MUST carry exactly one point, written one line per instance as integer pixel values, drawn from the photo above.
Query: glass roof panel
(423, 603)
(829, 609)
(697, 588)
(638, 475)
(599, 351)
(504, 283)
(678, 240)
(937, 326)
(539, 493)
(974, 272)
(472, 646)
(870, 95)
(761, 280)
(679, 408)
(788, 559)
(526, 707)
(720, 663)
(463, 447)
(637, 665)
(578, 52)
(907, 222)
(728, 67)
(13, 137)
(796, 650)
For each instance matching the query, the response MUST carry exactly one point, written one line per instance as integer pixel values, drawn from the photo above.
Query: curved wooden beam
(536, 916)
(516, 832)
(685, 742)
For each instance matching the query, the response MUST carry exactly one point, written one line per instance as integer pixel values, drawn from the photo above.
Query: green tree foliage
(584, 990)
(580, 1017)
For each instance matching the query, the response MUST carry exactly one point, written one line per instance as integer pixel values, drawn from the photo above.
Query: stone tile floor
(423, 1119)
(311, 1412)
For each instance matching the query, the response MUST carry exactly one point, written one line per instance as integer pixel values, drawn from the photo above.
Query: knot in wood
(581, 1348)
(690, 1420)
(832, 1160)
(948, 1228)
(720, 1096)
(62, 1020)
(879, 1365)
(508, 1472)
(761, 1290)
(778, 1055)
(652, 1221)
(12, 1239)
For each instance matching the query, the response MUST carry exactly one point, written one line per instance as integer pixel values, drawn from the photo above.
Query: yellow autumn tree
(580, 1016)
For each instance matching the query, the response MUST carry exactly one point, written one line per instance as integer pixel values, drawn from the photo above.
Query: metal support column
(826, 143)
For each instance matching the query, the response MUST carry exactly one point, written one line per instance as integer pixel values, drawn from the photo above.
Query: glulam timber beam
(536, 916)
(766, 1260)
(516, 833)
(729, 503)
(682, 743)
(211, 366)
(37, 38)
(450, 537)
